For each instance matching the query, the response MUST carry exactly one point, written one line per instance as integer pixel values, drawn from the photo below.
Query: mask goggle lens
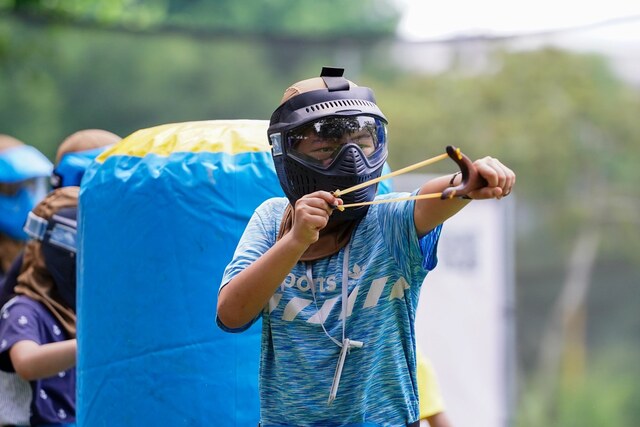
(61, 232)
(321, 141)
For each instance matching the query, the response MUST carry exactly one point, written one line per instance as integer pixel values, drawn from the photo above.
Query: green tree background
(564, 121)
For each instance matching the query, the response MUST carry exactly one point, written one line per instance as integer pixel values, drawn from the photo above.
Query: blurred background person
(38, 325)
(432, 409)
(73, 157)
(23, 173)
(77, 152)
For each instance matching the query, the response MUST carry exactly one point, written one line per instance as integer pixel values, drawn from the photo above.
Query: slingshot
(467, 169)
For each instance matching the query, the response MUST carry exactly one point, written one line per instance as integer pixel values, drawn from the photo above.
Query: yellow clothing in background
(428, 390)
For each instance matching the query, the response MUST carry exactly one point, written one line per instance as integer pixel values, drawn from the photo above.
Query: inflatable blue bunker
(160, 215)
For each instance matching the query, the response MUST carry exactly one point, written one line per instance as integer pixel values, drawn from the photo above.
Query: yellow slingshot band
(399, 199)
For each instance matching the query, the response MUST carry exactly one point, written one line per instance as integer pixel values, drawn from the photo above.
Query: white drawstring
(313, 293)
(346, 343)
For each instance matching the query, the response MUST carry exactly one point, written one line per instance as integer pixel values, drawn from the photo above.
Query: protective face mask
(58, 237)
(61, 264)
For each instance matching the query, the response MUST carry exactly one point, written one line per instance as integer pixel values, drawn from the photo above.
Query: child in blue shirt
(338, 289)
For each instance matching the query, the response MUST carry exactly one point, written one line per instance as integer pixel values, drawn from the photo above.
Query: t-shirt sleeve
(399, 231)
(429, 248)
(18, 322)
(258, 237)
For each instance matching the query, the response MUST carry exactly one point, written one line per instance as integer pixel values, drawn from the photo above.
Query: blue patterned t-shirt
(387, 264)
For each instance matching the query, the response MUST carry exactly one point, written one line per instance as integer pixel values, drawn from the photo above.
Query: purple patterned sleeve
(18, 322)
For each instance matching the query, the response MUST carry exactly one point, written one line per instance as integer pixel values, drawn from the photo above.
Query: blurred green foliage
(564, 122)
(607, 396)
(278, 18)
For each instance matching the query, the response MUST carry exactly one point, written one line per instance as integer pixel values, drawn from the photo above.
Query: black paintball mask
(329, 139)
(58, 237)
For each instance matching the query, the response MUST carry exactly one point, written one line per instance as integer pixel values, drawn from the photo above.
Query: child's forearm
(245, 295)
(32, 361)
(429, 213)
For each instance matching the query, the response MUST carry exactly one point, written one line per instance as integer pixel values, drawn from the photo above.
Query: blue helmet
(328, 134)
(77, 152)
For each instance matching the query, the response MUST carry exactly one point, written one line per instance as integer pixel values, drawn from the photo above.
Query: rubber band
(399, 199)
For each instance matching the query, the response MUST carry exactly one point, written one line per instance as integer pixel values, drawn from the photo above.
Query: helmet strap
(333, 78)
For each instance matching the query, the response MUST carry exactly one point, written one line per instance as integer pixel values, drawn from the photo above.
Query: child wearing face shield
(338, 290)
(73, 157)
(38, 325)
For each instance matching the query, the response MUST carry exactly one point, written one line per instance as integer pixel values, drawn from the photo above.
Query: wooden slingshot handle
(471, 180)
